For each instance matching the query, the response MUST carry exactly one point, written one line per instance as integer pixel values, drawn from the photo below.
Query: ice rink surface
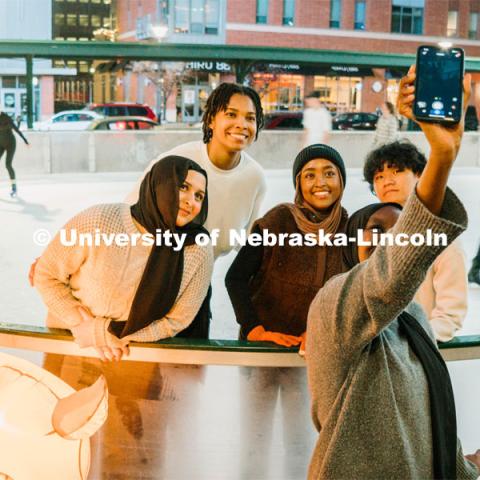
(211, 422)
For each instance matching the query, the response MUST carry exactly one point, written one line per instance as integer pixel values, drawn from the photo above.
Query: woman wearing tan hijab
(271, 287)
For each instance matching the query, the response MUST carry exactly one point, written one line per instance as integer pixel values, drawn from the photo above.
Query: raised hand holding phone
(438, 84)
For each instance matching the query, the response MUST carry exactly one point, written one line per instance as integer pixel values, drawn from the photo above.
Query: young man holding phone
(392, 172)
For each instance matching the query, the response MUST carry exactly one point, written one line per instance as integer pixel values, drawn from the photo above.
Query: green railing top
(463, 341)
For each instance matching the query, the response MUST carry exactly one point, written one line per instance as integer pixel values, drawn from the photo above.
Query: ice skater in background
(8, 144)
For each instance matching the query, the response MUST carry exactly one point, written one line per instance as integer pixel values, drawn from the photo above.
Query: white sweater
(105, 278)
(234, 196)
(443, 294)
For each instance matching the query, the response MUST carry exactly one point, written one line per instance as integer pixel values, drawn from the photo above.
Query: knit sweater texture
(234, 196)
(370, 398)
(105, 278)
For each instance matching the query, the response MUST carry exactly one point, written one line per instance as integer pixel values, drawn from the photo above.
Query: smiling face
(191, 196)
(391, 184)
(381, 221)
(320, 183)
(235, 127)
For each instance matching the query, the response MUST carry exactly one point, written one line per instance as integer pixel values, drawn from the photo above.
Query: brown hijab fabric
(309, 220)
(157, 209)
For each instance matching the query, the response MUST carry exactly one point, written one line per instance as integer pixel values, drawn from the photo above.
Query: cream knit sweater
(105, 278)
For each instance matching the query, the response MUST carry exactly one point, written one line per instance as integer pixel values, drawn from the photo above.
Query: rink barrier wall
(81, 151)
(195, 351)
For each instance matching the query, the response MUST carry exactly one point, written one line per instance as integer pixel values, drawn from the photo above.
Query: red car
(115, 109)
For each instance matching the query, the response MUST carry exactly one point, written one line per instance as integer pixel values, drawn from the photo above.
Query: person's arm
(246, 264)
(188, 302)
(468, 466)
(14, 126)
(451, 292)
(237, 281)
(444, 144)
(356, 306)
(52, 275)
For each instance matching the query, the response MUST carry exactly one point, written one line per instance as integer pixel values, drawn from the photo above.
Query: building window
(107, 22)
(96, 21)
(335, 13)
(71, 20)
(360, 10)
(182, 16)
(83, 67)
(59, 19)
(212, 16)
(452, 23)
(473, 26)
(262, 11)
(407, 16)
(96, 1)
(83, 1)
(83, 20)
(288, 12)
(197, 16)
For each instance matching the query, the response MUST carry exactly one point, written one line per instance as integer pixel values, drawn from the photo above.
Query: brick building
(382, 26)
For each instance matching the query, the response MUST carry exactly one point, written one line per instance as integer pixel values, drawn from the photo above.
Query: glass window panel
(473, 25)
(288, 12)
(417, 21)
(59, 19)
(452, 23)
(360, 15)
(212, 16)
(107, 22)
(407, 20)
(335, 13)
(96, 20)
(83, 20)
(71, 19)
(262, 11)
(181, 16)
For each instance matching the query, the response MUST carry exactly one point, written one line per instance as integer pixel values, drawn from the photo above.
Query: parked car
(68, 120)
(355, 121)
(123, 109)
(284, 121)
(122, 123)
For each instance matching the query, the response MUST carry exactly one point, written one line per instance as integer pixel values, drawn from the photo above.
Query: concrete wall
(64, 152)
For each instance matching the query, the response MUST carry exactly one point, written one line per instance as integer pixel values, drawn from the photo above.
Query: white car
(68, 120)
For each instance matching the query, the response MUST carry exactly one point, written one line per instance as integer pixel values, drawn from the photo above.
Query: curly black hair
(401, 154)
(218, 100)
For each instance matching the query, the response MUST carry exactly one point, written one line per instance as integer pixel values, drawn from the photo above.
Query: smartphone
(439, 84)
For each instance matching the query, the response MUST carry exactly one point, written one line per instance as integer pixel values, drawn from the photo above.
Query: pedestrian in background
(387, 126)
(8, 144)
(317, 121)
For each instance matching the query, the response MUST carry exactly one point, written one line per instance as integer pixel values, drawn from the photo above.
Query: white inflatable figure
(45, 425)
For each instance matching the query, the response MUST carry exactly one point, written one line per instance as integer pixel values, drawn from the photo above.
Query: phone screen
(438, 86)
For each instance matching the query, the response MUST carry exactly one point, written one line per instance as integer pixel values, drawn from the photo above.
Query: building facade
(381, 26)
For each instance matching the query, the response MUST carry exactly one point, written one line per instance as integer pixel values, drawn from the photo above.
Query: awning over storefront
(303, 69)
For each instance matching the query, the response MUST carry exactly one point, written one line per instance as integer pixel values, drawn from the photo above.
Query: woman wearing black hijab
(109, 295)
(382, 400)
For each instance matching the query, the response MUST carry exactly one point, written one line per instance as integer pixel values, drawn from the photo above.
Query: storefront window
(340, 94)
(335, 13)
(262, 11)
